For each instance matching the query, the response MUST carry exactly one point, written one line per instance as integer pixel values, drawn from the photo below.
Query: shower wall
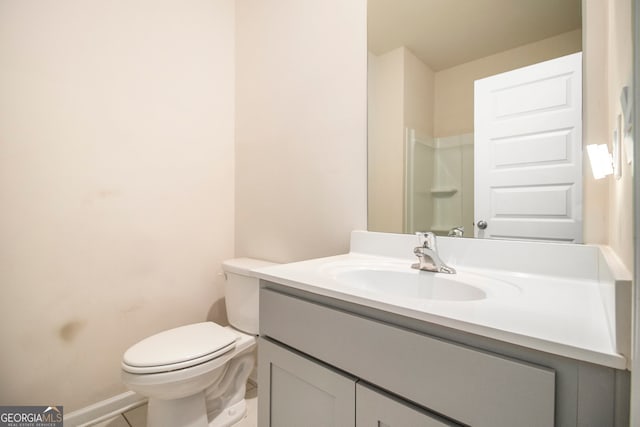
(420, 152)
(453, 184)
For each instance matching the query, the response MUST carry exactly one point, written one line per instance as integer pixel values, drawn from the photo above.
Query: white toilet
(195, 375)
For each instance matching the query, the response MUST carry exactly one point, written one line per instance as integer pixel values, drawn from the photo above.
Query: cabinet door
(295, 391)
(375, 409)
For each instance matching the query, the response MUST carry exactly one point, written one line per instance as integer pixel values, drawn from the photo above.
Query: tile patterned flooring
(137, 417)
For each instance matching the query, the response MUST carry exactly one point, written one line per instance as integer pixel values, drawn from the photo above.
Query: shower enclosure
(438, 183)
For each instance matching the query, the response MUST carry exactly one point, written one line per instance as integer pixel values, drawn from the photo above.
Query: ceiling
(445, 33)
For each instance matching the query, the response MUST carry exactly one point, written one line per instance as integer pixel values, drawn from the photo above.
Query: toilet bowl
(195, 375)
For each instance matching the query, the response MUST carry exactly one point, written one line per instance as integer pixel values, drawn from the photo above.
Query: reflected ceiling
(443, 36)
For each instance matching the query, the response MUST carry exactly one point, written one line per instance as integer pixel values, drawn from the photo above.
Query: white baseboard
(104, 410)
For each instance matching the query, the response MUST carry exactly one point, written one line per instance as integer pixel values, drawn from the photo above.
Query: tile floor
(138, 417)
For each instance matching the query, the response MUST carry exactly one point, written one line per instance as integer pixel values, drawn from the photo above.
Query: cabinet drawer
(471, 386)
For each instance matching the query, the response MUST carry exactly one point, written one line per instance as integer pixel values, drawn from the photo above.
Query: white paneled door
(528, 152)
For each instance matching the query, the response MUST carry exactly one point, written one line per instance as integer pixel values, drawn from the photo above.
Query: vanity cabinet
(304, 392)
(322, 357)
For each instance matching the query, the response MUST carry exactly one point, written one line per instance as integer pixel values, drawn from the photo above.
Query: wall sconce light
(600, 160)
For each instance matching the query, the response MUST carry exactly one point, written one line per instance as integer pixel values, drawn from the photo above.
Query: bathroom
(143, 143)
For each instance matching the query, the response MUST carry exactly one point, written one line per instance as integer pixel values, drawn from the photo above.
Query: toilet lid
(179, 348)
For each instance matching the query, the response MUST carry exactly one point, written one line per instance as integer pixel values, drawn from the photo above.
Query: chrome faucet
(428, 256)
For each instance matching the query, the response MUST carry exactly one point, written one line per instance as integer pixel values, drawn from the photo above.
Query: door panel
(550, 201)
(528, 152)
(533, 150)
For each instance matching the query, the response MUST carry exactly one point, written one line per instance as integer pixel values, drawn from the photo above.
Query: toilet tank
(241, 293)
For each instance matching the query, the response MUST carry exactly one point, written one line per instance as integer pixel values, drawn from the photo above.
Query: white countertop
(566, 316)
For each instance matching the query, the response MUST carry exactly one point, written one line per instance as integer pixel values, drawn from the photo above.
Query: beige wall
(300, 127)
(418, 94)
(594, 118)
(607, 68)
(620, 59)
(400, 96)
(454, 86)
(116, 184)
(386, 134)
(418, 115)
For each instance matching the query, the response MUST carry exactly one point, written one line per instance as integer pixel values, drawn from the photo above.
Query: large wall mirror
(424, 56)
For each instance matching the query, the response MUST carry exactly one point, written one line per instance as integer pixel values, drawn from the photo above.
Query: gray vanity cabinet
(327, 362)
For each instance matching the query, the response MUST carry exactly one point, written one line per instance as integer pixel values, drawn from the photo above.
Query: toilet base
(186, 412)
(230, 415)
(180, 412)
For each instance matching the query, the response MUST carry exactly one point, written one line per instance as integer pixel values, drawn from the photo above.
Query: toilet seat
(179, 348)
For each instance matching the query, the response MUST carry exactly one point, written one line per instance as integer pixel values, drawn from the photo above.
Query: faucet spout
(428, 258)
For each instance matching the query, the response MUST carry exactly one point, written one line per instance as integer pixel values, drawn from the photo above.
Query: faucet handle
(426, 239)
(456, 231)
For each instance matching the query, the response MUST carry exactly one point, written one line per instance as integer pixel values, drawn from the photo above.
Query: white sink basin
(401, 280)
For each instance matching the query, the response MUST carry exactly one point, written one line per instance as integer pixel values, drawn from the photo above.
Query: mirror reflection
(424, 57)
